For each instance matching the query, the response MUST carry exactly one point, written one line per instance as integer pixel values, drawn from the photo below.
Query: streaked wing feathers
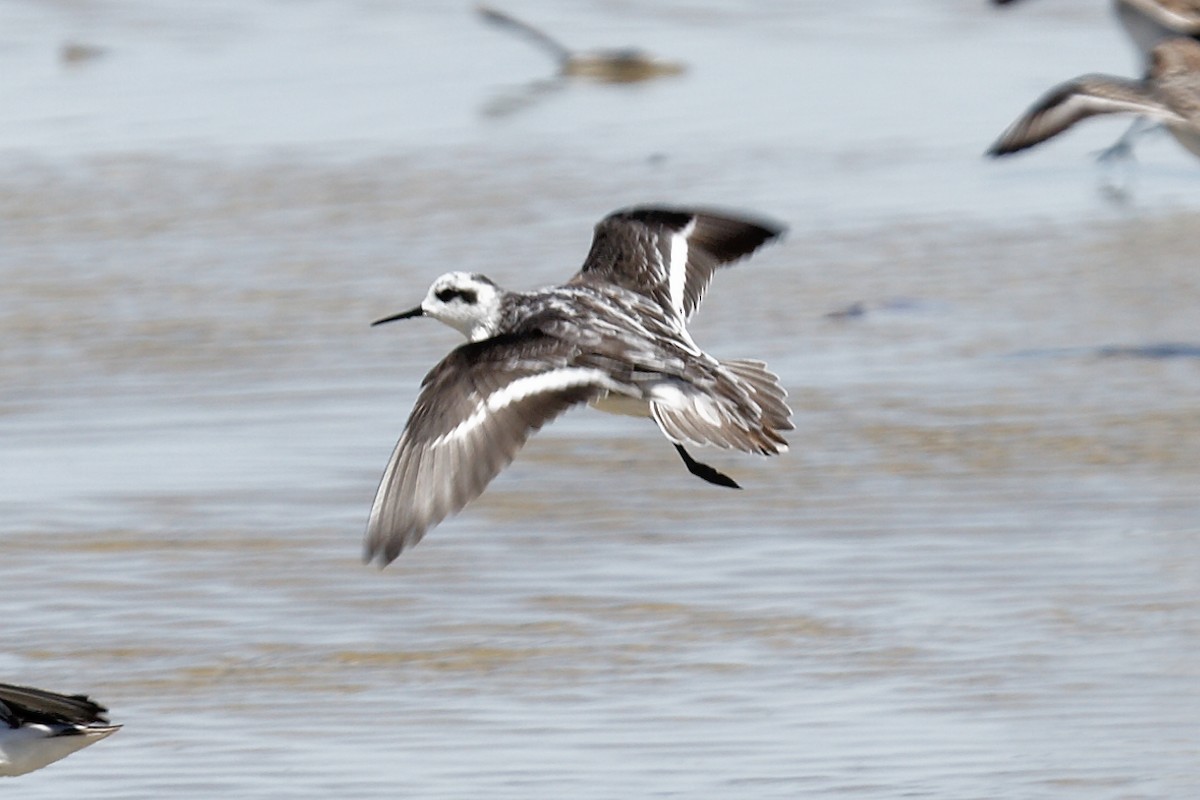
(24, 704)
(476, 409)
(670, 254)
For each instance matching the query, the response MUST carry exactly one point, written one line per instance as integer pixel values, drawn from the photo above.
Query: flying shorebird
(625, 65)
(1147, 23)
(39, 727)
(614, 336)
(1169, 94)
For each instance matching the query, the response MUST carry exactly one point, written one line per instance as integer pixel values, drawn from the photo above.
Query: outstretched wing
(670, 254)
(1070, 102)
(539, 39)
(476, 408)
(21, 705)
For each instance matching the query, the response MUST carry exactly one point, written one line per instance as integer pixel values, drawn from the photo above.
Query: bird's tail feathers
(746, 410)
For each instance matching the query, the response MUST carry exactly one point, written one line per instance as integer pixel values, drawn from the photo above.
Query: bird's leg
(1116, 182)
(1122, 149)
(704, 471)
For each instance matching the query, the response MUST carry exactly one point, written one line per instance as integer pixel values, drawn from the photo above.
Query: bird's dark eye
(446, 295)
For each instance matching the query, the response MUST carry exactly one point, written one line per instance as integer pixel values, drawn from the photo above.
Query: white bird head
(466, 301)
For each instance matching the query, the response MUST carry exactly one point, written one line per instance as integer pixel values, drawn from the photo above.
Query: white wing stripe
(677, 278)
(1096, 104)
(546, 382)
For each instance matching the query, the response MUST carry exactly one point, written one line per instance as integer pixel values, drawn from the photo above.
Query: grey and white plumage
(38, 727)
(1149, 22)
(1169, 94)
(614, 336)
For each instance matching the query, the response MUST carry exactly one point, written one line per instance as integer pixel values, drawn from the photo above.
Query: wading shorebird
(614, 336)
(1169, 95)
(39, 727)
(625, 65)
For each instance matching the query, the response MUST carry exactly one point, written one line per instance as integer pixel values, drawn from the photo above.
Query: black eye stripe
(466, 295)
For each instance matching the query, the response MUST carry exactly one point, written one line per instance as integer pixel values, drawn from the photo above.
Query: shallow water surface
(975, 575)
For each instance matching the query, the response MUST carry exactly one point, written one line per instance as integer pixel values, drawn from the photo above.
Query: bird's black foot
(704, 471)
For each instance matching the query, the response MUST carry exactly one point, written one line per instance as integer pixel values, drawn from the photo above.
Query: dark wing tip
(1004, 147)
(726, 235)
(380, 554)
(26, 702)
(390, 531)
(1034, 126)
(677, 219)
(730, 238)
(673, 219)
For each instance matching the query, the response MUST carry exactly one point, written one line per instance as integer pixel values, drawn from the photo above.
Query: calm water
(976, 574)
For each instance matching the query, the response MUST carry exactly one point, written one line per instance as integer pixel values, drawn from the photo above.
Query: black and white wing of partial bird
(38, 727)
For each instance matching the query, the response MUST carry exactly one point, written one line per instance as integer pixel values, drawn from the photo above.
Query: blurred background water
(974, 576)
